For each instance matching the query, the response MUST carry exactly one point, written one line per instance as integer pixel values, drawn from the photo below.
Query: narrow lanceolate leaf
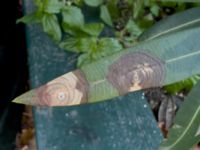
(152, 63)
(185, 132)
(180, 21)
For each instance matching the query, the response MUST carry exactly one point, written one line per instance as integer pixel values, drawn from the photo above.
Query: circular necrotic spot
(135, 71)
(70, 89)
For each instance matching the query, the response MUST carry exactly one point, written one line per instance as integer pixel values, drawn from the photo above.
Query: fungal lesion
(135, 71)
(69, 89)
(141, 70)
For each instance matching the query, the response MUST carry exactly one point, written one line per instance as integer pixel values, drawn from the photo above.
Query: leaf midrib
(172, 29)
(167, 61)
(187, 128)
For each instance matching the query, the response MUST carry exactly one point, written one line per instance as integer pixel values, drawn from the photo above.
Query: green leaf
(93, 29)
(100, 49)
(155, 9)
(180, 1)
(93, 3)
(95, 48)
(138, 8)
(73, 19)
(35, 17)
(105, 15)
(79, 44)
(183, 85)
(133, 28)
(151, 63)
(185, 132)
(51, 27)
(39, 3)
(180, 21)
(53, 6)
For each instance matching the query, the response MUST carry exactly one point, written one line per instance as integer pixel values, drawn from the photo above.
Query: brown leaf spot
(134, 71)
(69, 89)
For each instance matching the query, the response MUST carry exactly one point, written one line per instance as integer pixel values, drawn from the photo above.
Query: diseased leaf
(51, 27)
(180, 21)
(105, 15)
(184, 134)
(93, 3)
(152, 63)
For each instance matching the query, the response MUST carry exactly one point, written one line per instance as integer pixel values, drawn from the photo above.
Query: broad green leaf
(79, 44)
(93, 29)
(95, 48)
(185, 132)
(53, 6)
(180, 1)
(155, 9)
(133, 28)
(35, 17)
(183, 85)
(180, 21)
(105, 15)
(73, 19)
(93, 3)
(51, 27)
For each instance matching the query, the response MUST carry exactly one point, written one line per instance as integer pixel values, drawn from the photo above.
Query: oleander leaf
(185, 132)
(177, 22)
(152, 63)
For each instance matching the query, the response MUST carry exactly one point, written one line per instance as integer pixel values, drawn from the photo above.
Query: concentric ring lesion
(135, 71)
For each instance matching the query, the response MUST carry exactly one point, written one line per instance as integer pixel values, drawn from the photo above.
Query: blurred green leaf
(73, 19)
(51, 26)
(78, 44)
(155, 9)
(105, 15)
(138, 8)
(180, 1)
(133, 28)
(35, 17)
(53, 6)
(93, 3)
(183, 85)
(93, 29)
(99, 49)
(185, 132)
(38, 3)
